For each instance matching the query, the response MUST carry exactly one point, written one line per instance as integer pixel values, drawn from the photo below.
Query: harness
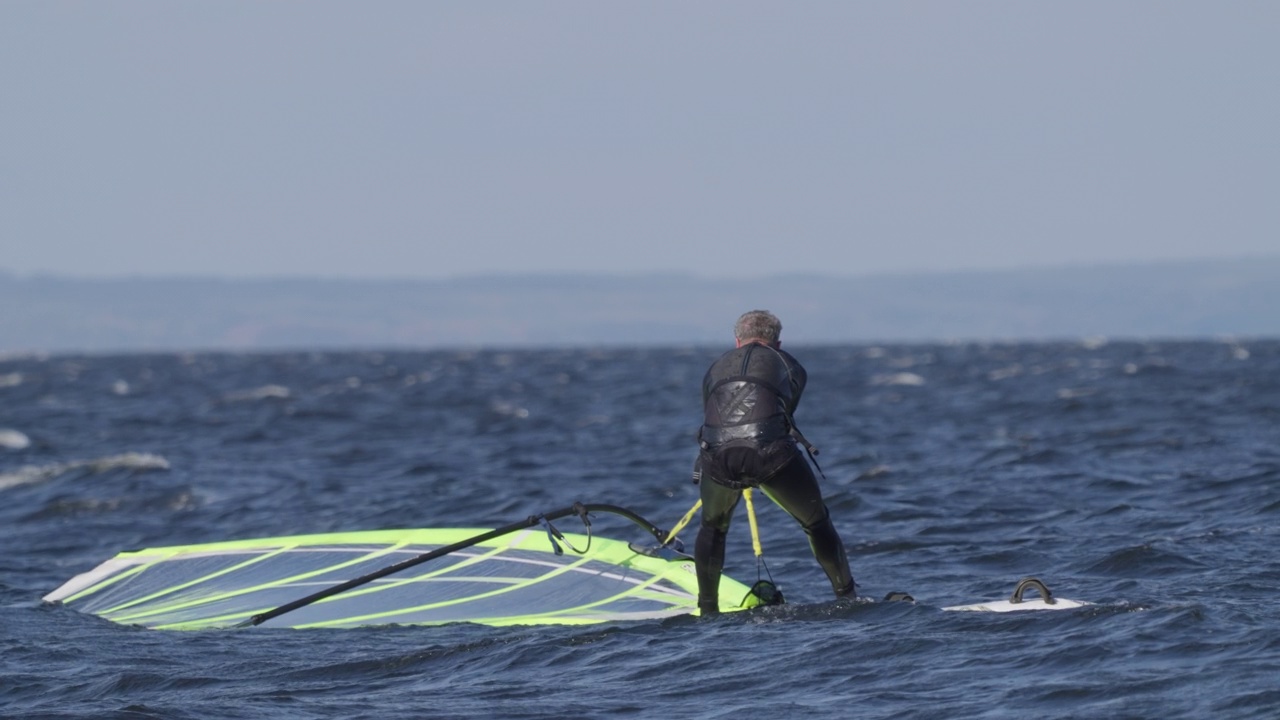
(771, 429)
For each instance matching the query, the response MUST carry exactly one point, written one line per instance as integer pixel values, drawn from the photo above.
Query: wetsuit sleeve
(798, 380)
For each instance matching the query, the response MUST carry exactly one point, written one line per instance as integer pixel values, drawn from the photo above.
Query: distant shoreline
(1172, 300)
(595, 277)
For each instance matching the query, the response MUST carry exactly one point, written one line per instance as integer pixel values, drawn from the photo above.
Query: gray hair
(758, 325)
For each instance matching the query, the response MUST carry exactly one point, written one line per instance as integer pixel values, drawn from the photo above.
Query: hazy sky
(433, 139)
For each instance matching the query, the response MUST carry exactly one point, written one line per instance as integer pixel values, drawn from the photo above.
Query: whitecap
(28, 474)
(128, 461)
(262, 393)
(1005, 372)
(902, 378)
(508, 409)
(31, 474)
(874, 472)
(13, 440)
(12, 379)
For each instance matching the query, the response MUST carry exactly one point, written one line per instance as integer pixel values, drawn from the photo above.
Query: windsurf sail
(516, 575)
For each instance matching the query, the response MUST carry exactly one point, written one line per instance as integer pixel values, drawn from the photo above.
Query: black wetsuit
(749, 396)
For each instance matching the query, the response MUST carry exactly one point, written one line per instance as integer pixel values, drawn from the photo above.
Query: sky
(722, 139)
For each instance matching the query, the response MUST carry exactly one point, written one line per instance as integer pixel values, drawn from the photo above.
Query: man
(748, 439)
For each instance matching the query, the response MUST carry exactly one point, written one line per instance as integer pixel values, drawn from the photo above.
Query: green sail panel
(515, 579)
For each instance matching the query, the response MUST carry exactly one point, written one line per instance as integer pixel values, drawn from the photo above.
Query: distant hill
(1168, 300)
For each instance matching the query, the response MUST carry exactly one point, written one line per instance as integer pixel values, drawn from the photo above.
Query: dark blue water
(1144, 477)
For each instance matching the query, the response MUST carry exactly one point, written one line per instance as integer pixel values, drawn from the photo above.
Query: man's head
(758, 326)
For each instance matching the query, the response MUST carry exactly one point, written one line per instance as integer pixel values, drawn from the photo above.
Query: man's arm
(798, 377)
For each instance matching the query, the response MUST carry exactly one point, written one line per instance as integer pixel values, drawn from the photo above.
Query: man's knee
(820, 522)
(716, 525)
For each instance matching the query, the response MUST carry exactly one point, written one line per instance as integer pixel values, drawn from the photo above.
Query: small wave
(12, 379)
(129, 461)
(874, 472)
(1153, 366)
(902, 378)
(1005, 373)
(508, 409)
(31, 474)
(279, 392)
(1145, 561)
(180, 500)
(13, 440)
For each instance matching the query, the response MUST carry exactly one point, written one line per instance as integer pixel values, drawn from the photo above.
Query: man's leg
(718, 503)
(796, 490)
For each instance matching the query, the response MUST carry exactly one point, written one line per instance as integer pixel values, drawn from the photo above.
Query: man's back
(751, 383)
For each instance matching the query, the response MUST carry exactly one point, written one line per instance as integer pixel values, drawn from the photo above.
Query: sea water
(1141, 476)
